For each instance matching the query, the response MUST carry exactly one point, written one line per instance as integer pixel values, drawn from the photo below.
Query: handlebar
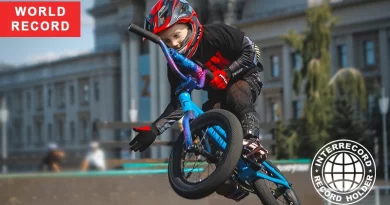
(203, 73)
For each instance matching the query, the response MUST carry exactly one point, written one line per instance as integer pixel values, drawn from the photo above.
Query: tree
(350, 93)
(347, 125)
(349, 84)
(313, 46)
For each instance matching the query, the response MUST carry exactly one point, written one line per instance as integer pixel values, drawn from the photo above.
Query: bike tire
(229, 158)
(265, 195)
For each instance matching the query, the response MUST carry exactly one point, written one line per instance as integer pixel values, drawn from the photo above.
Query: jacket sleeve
(173, 112)
(234, 44)
(247, 60)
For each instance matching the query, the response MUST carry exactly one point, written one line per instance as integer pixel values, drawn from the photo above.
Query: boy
(227, 52)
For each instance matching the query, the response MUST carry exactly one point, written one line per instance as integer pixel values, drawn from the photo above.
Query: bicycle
(220, 144)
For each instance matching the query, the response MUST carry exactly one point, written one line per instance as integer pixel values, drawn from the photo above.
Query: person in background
(53, 159)
(95, 158)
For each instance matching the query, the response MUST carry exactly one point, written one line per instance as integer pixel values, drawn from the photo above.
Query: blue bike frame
(191, 111)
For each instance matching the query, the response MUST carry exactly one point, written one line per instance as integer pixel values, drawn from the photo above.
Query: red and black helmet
(166, 13)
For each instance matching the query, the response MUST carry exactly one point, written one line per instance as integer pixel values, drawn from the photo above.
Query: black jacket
(221, 47)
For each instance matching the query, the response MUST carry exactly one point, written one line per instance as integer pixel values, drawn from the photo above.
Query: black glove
(143, 140)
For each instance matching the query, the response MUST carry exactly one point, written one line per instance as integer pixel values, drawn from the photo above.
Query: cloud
(53, 56)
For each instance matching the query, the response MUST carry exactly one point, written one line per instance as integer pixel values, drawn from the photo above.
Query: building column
(124, 80)
(350, 51)
(133, 76)
(164, 99)
(154, 91)
(287, 84)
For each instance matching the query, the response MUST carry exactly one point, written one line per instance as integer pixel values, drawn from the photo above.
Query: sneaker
(228, 187)
(231, 191)
(253, 149)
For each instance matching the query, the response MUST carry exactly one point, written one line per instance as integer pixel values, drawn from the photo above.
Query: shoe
(231, 191)
(253, 149)
(228, 187)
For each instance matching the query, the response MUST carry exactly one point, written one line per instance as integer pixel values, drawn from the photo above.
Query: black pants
(239, 98)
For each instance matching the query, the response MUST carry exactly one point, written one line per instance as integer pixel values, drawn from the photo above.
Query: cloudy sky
(19, 51)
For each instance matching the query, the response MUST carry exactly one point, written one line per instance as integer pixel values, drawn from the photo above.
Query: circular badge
(343, 172)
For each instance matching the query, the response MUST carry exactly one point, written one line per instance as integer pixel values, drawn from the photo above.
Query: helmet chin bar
(185, 42)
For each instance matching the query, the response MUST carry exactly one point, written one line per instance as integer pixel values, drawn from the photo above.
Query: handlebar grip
(144, 33)
(209, 75)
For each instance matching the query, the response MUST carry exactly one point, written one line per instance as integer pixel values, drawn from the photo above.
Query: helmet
(166, 13)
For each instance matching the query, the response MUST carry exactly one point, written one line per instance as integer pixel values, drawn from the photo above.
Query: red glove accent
(144, 128)
(220, 80)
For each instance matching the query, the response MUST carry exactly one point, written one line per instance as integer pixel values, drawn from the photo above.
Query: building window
(19, 102)
(60, 130)
(28, 101)
(49, 95)
(97, 91)
(38, 131)
(275, 66)
(369, 53)
(60, 95)
(39, 98)
(29, 133)
(72, 132)
(18, 126)
(297, 109)
(297, 61)
(84, 129)
(275, 112)
(84, 92)
(49, 132)
(342, 56)
(71, 94)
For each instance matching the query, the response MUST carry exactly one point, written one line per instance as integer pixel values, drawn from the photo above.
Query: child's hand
(220, 80)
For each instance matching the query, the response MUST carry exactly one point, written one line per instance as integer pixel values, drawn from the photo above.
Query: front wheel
(273, 194)
(225, 161)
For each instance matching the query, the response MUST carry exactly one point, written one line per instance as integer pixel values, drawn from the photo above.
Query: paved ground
(113, 189)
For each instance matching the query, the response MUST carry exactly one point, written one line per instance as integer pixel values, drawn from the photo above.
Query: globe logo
(343, 172)
(336, 176)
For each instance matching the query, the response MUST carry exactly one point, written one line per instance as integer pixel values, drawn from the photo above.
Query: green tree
(346, 124)
(313, 46)
(348, 121)
(348, 84)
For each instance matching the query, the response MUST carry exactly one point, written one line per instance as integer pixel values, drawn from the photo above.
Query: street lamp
(384, 106)
(3, 122)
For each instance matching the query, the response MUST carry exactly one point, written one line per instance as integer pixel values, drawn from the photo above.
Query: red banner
(40, 19)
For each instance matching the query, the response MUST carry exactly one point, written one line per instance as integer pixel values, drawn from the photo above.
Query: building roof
(6, 67)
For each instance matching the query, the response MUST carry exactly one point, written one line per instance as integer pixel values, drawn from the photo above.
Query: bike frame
(191, 111)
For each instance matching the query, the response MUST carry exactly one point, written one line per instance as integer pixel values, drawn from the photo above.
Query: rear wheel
(222, 162)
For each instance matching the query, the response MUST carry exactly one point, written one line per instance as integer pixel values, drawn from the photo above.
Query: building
(360, 40)
(131, 74)
(59, 102)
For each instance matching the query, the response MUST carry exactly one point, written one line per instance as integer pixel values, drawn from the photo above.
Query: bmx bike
(215, 138)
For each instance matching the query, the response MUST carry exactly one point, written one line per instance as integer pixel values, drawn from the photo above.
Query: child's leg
(240, 101)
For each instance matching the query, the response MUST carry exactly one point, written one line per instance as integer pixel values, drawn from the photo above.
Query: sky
(22, 51)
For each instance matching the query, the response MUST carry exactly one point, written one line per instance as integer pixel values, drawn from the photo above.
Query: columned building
(360, 40)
